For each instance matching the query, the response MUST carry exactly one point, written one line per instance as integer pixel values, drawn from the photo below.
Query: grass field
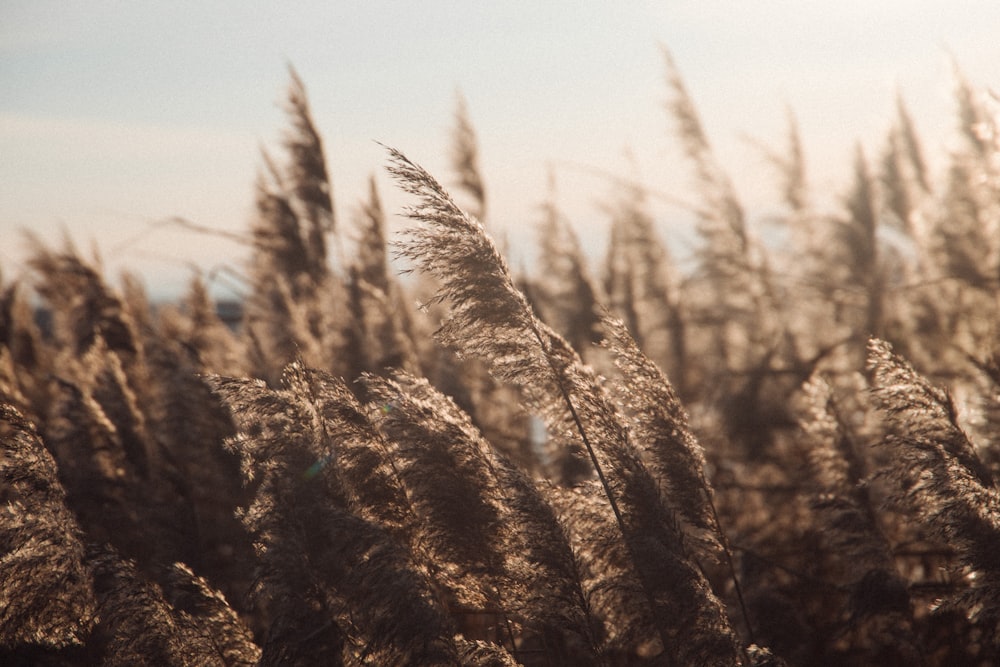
(784, 453)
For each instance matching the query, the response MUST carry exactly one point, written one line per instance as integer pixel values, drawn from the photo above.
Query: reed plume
(491, 319)
(47, 604)
(465, 158)
(380, 338)
(339, 587)
(488, 516)
(937, 475)
(850, 530)
(139, 626)
(568, 296)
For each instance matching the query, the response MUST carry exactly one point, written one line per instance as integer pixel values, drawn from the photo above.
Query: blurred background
(117, 116)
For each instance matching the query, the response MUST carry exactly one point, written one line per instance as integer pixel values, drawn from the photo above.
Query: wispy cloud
(90, 136)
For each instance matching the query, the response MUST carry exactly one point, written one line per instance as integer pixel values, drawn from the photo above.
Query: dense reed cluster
(787, 455)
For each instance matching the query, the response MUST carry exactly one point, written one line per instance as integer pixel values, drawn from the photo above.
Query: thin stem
(557, 374)
(732, 568)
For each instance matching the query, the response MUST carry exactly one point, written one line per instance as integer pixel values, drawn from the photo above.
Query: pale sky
(117, 114)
